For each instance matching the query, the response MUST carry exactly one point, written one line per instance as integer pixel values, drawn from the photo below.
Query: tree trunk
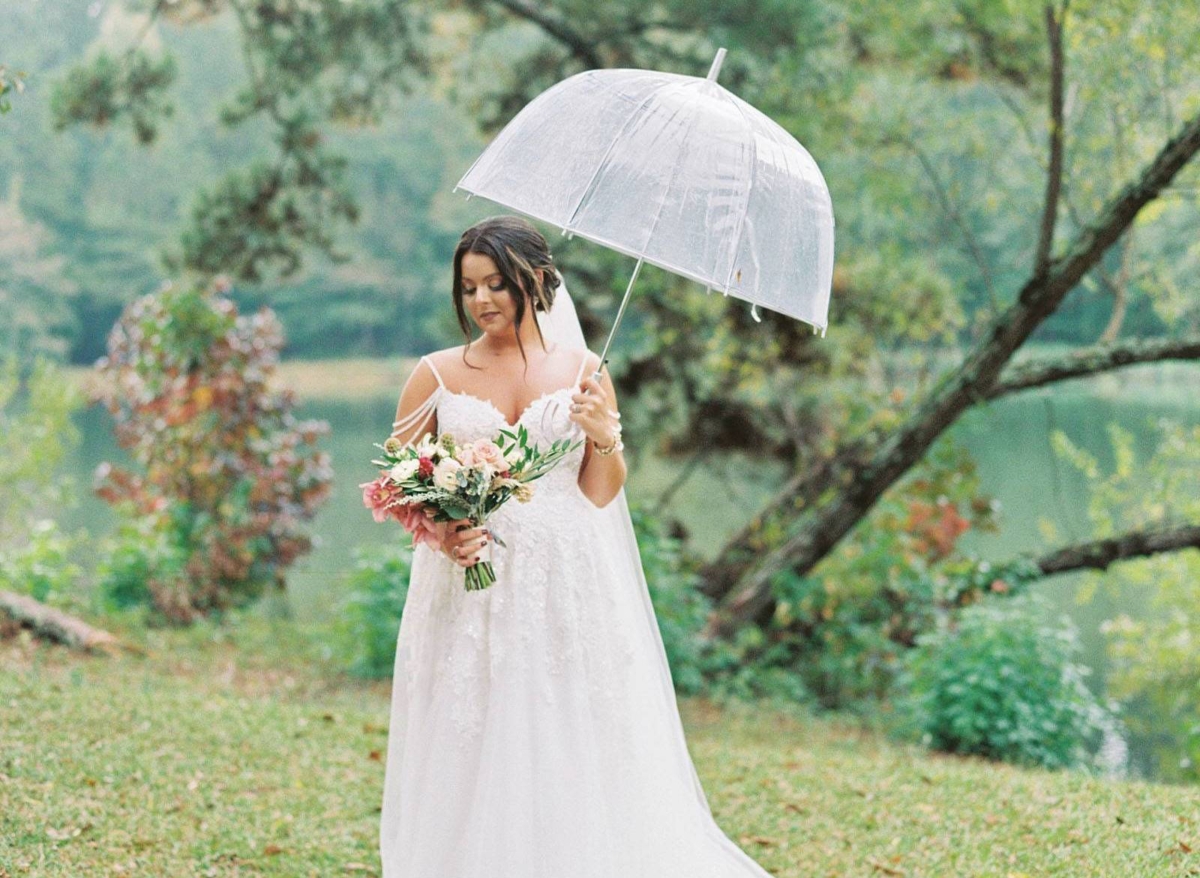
(57, 625)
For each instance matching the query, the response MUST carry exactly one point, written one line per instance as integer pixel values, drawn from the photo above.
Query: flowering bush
(228, 475)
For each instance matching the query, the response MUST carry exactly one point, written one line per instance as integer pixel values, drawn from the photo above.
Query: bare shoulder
(591, 361)
(446, 356)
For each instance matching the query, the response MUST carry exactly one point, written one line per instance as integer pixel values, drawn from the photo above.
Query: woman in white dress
(534, 729)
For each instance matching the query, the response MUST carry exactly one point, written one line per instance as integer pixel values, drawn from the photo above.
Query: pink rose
(425, 467)
(466, 455)
(379, 495)
(487, 451)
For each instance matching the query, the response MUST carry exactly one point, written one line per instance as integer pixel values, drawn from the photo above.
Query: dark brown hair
(519, 251)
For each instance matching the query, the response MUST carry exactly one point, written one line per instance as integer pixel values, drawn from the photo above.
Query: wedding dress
(534, 728)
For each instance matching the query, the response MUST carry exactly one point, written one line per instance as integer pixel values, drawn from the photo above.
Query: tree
(897, 65)
(34, 293)
(308, 65)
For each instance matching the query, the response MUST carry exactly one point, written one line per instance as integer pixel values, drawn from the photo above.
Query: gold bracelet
(615, 445)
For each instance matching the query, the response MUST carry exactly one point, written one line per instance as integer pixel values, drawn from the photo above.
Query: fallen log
(58, 626)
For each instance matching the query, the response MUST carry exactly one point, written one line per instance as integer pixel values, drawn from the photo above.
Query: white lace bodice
(546, 419)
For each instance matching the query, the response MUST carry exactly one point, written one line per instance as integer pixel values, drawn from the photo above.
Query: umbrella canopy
(675, 171)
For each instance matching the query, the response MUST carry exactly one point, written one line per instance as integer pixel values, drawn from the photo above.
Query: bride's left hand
(590, 410)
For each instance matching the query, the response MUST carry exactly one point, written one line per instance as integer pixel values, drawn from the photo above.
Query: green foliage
(256, 222)
(678, 604)
(1155, 655)
(144, 556)
(841, 632)
(36, 298)
(43, 566)
(308, 64)
(1000, 680)
(229, 476)
(109, 89)
(10, 82)
(36, 433)
(369, 621)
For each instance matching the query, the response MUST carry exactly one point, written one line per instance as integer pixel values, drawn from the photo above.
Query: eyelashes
(470, 291)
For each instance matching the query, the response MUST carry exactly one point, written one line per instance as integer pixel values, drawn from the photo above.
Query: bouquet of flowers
(436, 479)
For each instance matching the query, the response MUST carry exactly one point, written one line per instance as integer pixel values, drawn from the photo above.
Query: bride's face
(485, 297)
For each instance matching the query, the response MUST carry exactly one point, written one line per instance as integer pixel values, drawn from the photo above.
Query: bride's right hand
(462, 542)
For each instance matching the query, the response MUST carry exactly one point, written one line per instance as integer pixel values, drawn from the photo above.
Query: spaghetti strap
(432, 368)
(582, 366)
(425, 410)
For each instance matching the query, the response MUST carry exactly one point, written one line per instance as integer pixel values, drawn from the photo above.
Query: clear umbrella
(675, 171)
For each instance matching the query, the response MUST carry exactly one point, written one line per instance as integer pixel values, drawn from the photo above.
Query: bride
(534, 729)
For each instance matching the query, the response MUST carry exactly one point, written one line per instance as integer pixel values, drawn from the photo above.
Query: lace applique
(539, 621)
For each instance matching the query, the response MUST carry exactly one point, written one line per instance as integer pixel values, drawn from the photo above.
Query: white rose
(405, 469)
(444, 474)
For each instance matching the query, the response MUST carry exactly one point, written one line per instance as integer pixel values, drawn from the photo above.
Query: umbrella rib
(670, 183)
(587, 190)
(737, 238)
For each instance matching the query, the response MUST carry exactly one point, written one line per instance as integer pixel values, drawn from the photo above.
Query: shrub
(678, 603)
(370, 614)
(999, 680)
(839, 633)
(42, 567)
(141, 553)
(229, 476)
(36, 433)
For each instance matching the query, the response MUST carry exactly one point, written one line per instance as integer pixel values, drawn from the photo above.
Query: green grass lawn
(245, 752)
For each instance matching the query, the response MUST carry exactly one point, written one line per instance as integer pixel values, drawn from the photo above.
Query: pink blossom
(378, 495)
(425, 467)
(466, 455)
(487, 451)
(415, 519)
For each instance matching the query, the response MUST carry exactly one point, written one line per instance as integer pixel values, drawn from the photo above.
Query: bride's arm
(600, 476)
(415, 414)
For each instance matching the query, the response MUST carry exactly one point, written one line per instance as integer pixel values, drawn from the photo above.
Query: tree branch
(1100, 554)
(955, 216)
(1091, 361)
(578, 45)
(821, 525)
(1054, 31)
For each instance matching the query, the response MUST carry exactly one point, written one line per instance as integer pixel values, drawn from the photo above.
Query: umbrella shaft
(620, 313)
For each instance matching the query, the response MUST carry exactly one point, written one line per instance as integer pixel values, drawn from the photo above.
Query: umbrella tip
(716, 65)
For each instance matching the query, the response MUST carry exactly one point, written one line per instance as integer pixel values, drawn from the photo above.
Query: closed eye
(497, 287)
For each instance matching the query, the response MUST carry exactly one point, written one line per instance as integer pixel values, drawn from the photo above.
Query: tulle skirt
(534, 732)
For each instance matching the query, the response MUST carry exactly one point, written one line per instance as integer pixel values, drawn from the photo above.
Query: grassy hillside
(245, 752)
